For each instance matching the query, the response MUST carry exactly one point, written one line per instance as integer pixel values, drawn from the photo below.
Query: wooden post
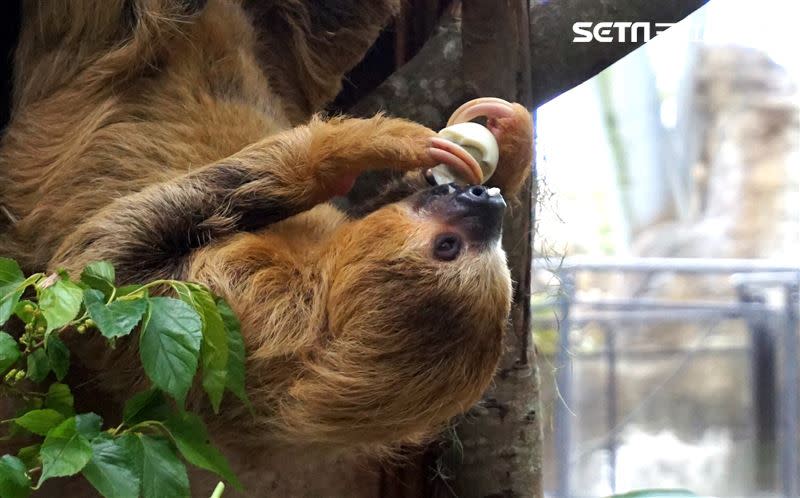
(502, 437)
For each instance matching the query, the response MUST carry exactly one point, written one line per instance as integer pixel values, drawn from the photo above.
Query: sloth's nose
(480, 197)
(481, 213)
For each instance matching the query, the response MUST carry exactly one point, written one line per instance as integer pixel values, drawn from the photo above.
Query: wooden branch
(428, 87)
(502, 437)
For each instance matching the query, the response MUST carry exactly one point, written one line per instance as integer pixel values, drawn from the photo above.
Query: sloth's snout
(477, 211)
(482, 218)
(481, 197)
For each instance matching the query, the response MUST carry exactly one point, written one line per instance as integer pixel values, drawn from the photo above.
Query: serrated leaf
(9, 352)
(11, 277)
(169, 345)
(60, 399)
(99, 275)
(58, 356)
(38, 365)
(236, 351)
(116, 319)
(30, 455)
(191, 438)
(214, 347)
(39, 421)
(10, 273)
(111, 469)
(64, 451)
(88, 424)
(146, 405)
(162, 474)
(60, 303)
(14, 481)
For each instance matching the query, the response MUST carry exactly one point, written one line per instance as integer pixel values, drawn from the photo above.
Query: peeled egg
(479, 142)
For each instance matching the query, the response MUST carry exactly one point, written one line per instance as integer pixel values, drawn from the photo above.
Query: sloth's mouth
(474, 210)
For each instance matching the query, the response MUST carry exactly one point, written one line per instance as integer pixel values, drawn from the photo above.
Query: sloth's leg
(153, 232)
(101, 40)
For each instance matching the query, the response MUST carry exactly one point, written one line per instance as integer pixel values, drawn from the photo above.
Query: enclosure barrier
(749, 278)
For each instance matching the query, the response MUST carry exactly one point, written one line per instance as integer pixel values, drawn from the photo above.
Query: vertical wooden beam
(502, 437)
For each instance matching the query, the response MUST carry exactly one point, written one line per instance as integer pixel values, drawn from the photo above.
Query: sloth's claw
(453, 155)
(490, 107)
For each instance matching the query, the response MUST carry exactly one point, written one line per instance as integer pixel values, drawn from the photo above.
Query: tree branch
(430, 86)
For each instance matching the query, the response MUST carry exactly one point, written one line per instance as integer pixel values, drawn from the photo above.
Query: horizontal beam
(668, 265)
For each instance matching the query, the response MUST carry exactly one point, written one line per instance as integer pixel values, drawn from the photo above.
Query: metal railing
(748, 278)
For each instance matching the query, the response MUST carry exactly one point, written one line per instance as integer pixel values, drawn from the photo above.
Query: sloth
(179, 139)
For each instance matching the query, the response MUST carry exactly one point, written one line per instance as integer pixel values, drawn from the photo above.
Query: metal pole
(790, 396)
(763, 387)
(611, 348)
(563, 422)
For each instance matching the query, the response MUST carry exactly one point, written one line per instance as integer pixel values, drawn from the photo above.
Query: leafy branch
(194, 333)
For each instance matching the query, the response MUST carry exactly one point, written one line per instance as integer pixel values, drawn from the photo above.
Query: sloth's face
(441, 245)
(418, 301)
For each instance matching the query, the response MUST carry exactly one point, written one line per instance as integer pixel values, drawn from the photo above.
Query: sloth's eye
(447, 246)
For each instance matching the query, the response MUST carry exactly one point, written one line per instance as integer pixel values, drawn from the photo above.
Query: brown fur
(175, 140)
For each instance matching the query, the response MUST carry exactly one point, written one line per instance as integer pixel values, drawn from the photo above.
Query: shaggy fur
(176, 140)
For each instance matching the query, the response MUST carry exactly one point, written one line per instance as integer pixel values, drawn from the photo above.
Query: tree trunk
(501, 437)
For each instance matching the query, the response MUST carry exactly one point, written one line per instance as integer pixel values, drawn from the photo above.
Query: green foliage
(14, 480)
(144, 455)
(116, 319)
(169, 345)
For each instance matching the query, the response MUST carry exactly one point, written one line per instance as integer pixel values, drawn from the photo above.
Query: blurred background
(660, 371)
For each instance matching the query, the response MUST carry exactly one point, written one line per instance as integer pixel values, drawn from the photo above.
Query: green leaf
(236, 352)
(112, 470)
(58, 356)
(14, 481)
(214, 348)
(99, 275)
(64, 451)
(59, 398)
(10, 279)
(116, 319)
(9, 352)
(191, 437)
(10, 273)
(39, 421)
(169, 345)
(30, 455)
(146, 405)
(88, 424)
(163, 475)
(38, 365)
(60, 303)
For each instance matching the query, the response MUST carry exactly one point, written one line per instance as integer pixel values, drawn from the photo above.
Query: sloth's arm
(151, 233)
(514, 134)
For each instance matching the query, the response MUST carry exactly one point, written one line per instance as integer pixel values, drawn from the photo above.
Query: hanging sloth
(177, 139)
